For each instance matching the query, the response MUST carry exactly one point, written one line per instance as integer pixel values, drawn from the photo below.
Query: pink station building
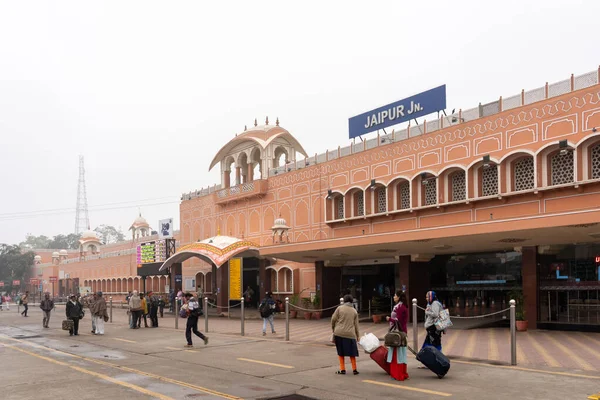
(489, 203)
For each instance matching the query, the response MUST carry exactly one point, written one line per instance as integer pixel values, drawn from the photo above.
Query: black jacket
(74, 310)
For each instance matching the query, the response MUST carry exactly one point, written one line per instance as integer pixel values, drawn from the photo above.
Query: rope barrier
(227, 306)
(475, 316)
(312, 310)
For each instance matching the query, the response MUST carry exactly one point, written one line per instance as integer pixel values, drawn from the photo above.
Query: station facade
(477, 205)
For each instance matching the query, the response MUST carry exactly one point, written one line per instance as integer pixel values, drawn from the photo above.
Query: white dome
(55, 254)
(63, 252)
(37, 258)
(89, 235)
(280, 221)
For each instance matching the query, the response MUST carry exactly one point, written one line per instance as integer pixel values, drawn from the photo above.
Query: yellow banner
(235, 279)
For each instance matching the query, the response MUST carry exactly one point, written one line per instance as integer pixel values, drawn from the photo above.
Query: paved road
(152, 363)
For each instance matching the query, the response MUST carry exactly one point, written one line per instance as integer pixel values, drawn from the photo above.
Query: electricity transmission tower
(82, 219)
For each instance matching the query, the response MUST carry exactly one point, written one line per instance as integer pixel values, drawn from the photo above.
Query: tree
(109, 234)
(14, 264)
(36, 242)
(70, 241)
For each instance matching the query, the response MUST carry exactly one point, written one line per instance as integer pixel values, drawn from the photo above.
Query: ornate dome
(280, 223)
(37, 258)
(140, 222)
(63, 252)
(262, 135)
(55, 254)
(89, 234)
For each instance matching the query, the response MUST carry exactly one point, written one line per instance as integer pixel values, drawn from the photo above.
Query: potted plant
(294, 300)
(519, 298)
(377, 306)
(316, 303)
(307, 305)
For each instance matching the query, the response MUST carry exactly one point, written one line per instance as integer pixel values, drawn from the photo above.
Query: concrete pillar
(329, 284)
(226, 179)
(415, 277)
(264, 276)
(238, 175)
(223, 288)
(530, 285)
(250, 173)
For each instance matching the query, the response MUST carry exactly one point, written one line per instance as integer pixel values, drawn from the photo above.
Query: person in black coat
(74, 313)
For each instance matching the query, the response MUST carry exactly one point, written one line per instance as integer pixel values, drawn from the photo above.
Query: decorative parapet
(245, 190)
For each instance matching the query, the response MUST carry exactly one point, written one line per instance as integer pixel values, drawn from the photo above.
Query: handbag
(67, 325)
(394, 337)
(443, 322)
(82, 314)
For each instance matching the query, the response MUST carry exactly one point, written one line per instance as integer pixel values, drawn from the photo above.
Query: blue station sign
(401, 111)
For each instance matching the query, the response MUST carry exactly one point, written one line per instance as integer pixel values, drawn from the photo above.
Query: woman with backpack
(399, 321)
(267, 310)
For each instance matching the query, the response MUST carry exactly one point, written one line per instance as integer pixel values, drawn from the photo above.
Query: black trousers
(26, 307)
(154, 316)
(75, 330)
(192, 326)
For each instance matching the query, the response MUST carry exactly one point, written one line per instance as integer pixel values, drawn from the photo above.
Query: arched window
(523, 174)
(458, 186)
(403, 195)
(595, 162)
(381, 200)
(339, 209)
(561, 166)
(430, 191)
(359, 201)
(489, 180)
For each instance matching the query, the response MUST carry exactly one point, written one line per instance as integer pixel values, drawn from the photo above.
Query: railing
(483, 110)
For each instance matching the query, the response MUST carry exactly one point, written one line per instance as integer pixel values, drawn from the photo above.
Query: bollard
(176, 314)
(110, 300)
(206, 314)
(287, 319)
(415, 325)
(513, 333)
(242, 318)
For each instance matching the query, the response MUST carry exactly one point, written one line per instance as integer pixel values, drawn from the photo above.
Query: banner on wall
(235, 279)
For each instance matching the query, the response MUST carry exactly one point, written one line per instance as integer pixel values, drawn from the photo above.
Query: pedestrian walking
(89, 302)
(398, 321)
(161, 306)
(171, 300)
(99, 313)
(25, 301)
(248, 296)
(153, 302)
(135, 307)
(267, 312)
(433, 337)
(47, 305)
(144, 311)
(344, 323)
(74, 311)
(193, 312)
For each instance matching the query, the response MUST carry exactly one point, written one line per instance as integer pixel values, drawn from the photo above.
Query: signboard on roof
(400, 111)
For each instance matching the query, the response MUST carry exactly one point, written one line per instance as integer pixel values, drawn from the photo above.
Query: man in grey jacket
(47, 305)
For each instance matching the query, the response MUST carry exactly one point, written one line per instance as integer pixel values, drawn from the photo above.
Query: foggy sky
(149, 91)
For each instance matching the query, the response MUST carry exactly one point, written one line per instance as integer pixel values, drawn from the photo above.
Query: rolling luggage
(380, 357)
(433, 359)
(67, 325)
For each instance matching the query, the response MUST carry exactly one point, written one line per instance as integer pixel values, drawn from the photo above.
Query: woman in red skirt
(398, 320)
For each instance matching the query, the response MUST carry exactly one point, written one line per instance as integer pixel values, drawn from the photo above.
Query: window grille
(524, 174)
(562, 168)
(459, 187)
(360, 202)
(381, 200)
(404, 195)
(340, 208)
(595, 157)
(430, 193)
(489, 181)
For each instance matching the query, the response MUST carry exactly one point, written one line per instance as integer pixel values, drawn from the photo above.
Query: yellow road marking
(583, 346)
(413, 389)
(493, 353)
(132, 370)
(449, 345)
(470, 349)
(551, 361)
(266, 363)
(594, 396)
(581, 362)
(541, 371)
(172, 348)
(123, 340)
(92, 373)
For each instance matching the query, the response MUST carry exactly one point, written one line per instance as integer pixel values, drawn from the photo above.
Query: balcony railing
(249, 189)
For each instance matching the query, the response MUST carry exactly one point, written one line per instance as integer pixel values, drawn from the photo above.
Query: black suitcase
(433, 359)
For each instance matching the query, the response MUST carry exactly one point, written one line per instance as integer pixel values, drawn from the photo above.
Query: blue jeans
(270, 319)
